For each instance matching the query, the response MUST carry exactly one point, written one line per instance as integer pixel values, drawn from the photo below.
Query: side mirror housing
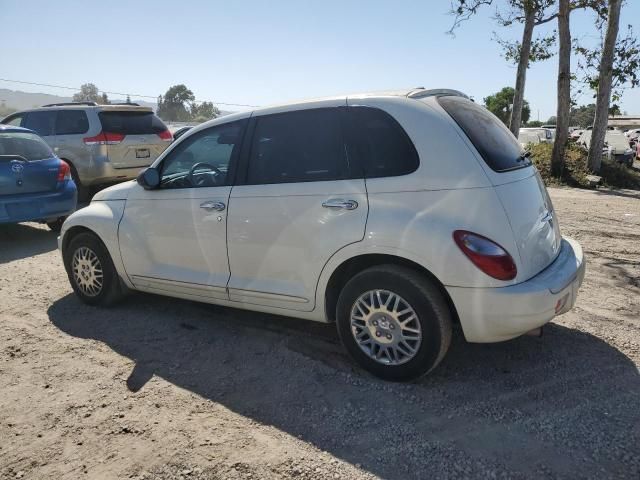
(149, 178)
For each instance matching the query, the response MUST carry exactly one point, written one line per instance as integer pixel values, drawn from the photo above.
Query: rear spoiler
(436, 92)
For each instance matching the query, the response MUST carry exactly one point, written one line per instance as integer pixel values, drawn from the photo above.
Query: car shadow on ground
(24, 240)
(528, 407)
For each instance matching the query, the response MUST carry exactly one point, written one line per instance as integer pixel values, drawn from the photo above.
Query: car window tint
(131, 122)
(71, 122)
(214, 149)
(302, 146)
(40, 122)
(493, 140)
(383, 147)
(25, 144)
(15, 120)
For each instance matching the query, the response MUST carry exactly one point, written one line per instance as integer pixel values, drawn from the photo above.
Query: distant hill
(22, 100)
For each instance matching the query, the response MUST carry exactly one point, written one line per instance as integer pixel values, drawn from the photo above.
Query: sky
(264, 52)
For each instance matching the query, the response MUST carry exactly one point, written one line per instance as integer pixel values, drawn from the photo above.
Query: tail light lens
(486, 254)
(64, 172)
(104, 138)
(166, 135)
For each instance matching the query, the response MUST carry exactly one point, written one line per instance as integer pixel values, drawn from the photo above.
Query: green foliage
(90, 93)
(535, 124)
(575, 170)
(552, 120)
(174, 105)
(500, 105)
(205, 110)
(583, 115)
(541, 48)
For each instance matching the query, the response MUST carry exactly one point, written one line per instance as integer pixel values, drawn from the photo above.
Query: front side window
(495, 143)
(381, 144)
(24, 144)
(15, 120)
(204, 159)
(40, 122)
(71, 122)
(301, 146)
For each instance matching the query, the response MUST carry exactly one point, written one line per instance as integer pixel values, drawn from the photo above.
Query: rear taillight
(64, 172)
(486, 254)
(104, 138)
(166, 135)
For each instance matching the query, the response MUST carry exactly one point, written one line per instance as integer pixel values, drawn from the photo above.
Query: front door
(173, 239)
(300, 202)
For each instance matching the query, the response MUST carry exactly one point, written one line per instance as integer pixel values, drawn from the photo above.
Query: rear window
(382, 146)
(27, 145)
(131, 123)
(493, 140)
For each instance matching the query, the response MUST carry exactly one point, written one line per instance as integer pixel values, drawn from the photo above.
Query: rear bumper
(102, 171)
(39, 206)
(497, 314)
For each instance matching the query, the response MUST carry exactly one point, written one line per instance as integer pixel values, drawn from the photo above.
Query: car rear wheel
(91, 272)
(83, 191)
(394, 322)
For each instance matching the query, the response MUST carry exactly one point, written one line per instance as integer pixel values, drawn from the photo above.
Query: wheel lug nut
(388, 336)
(392, 326)
(378, 334)
(375, 323)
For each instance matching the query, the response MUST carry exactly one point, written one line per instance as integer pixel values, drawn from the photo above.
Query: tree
(530, 13)
(173, 106)
(90, 93)
(205, 111)
(553, 120)
(583, 115)
(564, 89)
(605, 79)
(534, 124)
(501, 103)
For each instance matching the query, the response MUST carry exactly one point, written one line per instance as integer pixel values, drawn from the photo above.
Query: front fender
(102, 218)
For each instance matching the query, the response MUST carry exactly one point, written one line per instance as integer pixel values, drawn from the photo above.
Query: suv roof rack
(126, 103)
(65, 104)
(420, 92)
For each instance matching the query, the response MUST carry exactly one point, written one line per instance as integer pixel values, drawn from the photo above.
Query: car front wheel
(394, 321)
(91, 272)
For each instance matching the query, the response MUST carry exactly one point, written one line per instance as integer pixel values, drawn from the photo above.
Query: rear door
(135, 137)
(517, 183)
(300, 202)
(71, 127)
(42, 122)
(27, 164)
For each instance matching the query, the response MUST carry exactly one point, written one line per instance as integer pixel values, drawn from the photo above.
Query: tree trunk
(604, 87)
(523, 64)
(564, 89)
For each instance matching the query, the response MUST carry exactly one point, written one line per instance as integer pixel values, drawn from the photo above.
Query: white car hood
(116, 192)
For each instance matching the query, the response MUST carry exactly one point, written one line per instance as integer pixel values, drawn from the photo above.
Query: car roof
(83, 106)
(14, 129)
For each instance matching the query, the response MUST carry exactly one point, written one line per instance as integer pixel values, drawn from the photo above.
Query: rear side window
(382, 146)
(25, 144)
(493, 140)
(40, 122)
(131, 122)
(302, 146)
(71, 122)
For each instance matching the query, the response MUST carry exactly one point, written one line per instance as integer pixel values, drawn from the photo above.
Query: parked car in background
(552, 130)
(615, 141)
(575, 134)
(545, 134)
(394, 215)
(101, 143)
(528, 137)
(35, 185)
(181, 131)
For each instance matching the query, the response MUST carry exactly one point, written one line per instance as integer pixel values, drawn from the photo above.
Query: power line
(155, 97)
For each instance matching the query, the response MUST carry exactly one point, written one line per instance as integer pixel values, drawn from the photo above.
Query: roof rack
(435, 92)
(126, 103)
(65, 104)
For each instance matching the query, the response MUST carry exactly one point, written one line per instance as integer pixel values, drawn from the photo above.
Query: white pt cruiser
(394, 215)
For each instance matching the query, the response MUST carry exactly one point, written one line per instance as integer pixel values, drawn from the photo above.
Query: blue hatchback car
(35, 185)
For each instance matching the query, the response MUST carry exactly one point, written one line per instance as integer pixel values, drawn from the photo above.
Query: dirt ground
(159, 388)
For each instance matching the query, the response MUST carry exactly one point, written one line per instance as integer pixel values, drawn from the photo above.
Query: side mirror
(149, 178)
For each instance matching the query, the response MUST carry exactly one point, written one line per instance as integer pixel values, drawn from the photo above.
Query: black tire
(429, 305)
(56, 225)
(111, 291)
(83, 191)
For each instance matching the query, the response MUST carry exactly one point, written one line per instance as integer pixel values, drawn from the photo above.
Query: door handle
(339, 203)
(209, 205)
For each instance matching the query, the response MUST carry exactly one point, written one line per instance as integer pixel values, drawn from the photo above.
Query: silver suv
(101, 143)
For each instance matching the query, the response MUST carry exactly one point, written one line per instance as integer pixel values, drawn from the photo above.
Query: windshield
(131, 122)
(493, 140)
(27, 145)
